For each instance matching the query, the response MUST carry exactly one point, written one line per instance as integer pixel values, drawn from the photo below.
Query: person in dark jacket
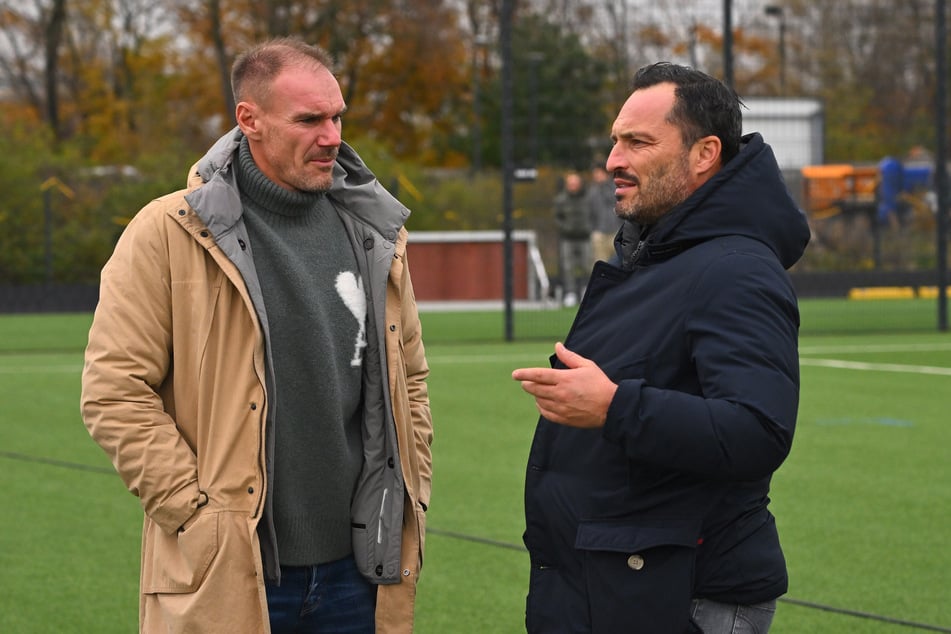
(574, 237)
(674, 397)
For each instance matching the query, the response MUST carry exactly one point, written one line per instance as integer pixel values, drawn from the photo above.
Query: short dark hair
(703, 105)
(253, 70)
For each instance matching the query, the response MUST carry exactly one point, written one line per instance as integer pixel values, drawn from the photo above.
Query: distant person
(574, 237)
(891, 208)
(675, 395)
(604, 220)
(256, 374)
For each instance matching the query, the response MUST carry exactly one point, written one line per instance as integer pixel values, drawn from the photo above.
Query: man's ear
(246, 115)
(706, 155)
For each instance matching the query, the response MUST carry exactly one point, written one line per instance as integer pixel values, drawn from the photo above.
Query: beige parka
(175, 390)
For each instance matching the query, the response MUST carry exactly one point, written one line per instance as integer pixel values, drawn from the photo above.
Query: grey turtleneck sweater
(316, 310)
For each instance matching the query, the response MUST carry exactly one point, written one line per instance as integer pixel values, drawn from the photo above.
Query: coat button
(635, 562)
(379, 571)
(392, 327)
(254, 406)
(406, 572)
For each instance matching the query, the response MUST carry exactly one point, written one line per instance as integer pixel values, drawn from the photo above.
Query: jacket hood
(747, 197)
(355, 189)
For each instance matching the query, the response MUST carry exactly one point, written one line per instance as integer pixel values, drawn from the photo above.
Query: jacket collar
(747, 197)
(355, 190)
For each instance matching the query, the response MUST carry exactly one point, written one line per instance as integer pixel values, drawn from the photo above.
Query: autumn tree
(24, 33)
(146, 83)
(558, 92)
(871, 62)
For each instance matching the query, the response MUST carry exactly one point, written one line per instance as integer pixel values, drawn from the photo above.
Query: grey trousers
(729, 618)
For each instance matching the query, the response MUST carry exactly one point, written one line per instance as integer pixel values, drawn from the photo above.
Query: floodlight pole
(508, 153)
(776, 11)
(728, 43)
(941, 159)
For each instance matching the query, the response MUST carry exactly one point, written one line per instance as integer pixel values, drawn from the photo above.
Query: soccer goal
(467, 268)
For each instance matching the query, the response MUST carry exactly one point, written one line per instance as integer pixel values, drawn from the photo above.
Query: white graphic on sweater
(350, 289)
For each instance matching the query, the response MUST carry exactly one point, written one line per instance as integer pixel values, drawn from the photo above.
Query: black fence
(53, 298)
(78, 298)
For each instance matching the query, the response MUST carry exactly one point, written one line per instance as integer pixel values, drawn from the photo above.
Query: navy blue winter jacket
(698, 325)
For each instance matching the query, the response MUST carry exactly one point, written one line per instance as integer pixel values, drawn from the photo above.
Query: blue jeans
(729, 618)
(331, 598)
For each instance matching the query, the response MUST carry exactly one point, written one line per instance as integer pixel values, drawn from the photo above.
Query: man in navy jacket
(674, 397)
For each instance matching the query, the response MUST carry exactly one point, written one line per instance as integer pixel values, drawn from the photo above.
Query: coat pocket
(638, 574)
(364, 550)
(177, 563)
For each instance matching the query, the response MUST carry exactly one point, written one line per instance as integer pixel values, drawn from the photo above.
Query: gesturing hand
(578, 395)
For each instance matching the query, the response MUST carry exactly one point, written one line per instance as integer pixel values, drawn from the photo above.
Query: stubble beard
(306, 179)
(667, 187)
(301, 176)
(317, 183)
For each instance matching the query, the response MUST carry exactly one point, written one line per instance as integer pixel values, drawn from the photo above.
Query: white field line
(875, 348)
(875, 367)
(883, 347)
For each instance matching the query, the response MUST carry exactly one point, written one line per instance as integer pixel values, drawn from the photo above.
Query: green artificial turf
(863, 503)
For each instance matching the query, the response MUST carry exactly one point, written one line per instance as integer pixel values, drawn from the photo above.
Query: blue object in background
(889, 187)
(895, 179)
(917, 177)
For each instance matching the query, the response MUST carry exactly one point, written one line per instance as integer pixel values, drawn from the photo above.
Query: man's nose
(329, 134)
(614, 162)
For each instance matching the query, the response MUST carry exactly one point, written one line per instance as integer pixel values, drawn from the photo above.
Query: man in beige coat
(256, 373)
